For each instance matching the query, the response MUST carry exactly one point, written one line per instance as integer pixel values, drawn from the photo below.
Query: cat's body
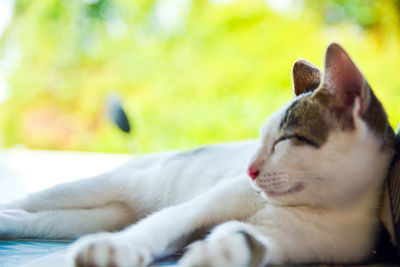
(316, 179)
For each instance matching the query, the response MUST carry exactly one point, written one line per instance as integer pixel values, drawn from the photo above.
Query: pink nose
(252, 173)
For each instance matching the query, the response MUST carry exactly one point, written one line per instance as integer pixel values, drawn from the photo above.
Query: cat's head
(330, 145)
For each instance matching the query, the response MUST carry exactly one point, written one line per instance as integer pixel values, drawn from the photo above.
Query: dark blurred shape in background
(117, 113)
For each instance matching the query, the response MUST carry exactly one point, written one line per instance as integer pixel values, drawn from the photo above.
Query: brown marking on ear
(343, 83)
(344, 80)
(306, 76)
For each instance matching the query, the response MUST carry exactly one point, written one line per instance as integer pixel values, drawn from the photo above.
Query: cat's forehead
(306, 117)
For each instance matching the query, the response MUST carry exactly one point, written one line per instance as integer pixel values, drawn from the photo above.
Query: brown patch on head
(343, 94)
(306, 76)
(376, 118)
(308, 120)
(343, 118)
(343, 85)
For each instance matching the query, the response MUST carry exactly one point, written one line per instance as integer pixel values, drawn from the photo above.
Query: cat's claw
(230, 251)
(107, 249)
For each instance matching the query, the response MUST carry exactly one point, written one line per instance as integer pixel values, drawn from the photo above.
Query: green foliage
(213, 79)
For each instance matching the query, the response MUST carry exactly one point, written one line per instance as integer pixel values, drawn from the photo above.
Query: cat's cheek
(282, 157)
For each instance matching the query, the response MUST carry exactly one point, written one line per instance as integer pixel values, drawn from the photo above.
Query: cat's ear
(306, 76)
(344, 81)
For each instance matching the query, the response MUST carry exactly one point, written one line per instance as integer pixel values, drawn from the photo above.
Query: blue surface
(17, 252)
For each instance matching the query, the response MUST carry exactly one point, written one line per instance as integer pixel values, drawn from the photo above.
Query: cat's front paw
(107, 249)
(229, 251)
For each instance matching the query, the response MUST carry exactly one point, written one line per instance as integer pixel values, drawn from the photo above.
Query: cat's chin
(295, 189)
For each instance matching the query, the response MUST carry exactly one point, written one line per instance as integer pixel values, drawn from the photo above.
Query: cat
(311, 192)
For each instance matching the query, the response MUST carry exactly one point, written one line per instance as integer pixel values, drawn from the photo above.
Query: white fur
(331, 219)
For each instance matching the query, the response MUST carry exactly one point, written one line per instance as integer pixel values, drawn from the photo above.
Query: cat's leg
(149, 238)
(295, 240)
(84, 193)
(232, 244)
(64, 224)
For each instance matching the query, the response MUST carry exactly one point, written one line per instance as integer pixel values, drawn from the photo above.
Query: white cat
(316, 181)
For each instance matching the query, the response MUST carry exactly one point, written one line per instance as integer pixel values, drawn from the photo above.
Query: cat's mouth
(295, 189)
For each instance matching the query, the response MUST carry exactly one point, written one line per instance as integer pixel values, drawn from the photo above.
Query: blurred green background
(189, 72)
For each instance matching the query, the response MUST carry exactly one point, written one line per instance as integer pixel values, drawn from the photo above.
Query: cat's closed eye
(296, 140)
